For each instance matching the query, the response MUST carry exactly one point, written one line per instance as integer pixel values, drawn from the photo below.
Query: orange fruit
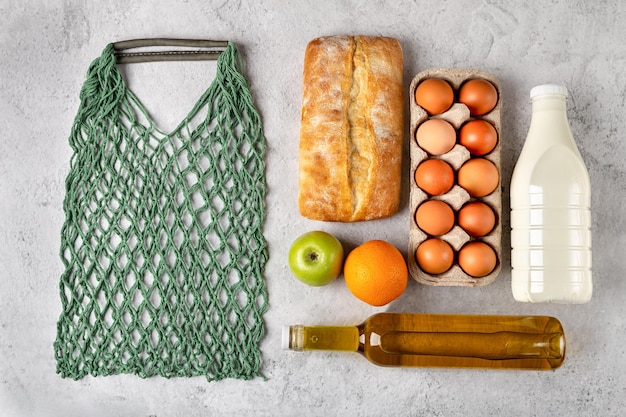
(376, 272)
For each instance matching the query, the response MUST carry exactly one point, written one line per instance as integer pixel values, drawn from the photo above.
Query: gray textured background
(46, 48)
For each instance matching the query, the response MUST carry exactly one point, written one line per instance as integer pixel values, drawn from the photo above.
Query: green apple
(316, 258)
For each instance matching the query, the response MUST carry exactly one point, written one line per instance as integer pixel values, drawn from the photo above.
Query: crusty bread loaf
(352, 129)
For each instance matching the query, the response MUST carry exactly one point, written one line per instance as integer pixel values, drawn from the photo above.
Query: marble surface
(47, 47)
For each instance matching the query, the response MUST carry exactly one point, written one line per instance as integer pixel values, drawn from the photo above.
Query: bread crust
(352, 129)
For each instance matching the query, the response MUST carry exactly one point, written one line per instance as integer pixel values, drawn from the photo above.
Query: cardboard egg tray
(457, 115)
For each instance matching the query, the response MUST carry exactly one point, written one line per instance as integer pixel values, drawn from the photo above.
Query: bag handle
(204, 50)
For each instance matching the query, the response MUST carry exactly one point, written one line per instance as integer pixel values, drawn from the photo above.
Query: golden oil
(442, 340)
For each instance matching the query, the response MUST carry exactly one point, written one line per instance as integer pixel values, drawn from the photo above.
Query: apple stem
(313, 256)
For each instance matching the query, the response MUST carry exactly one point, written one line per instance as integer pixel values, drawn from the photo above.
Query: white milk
(550, 208)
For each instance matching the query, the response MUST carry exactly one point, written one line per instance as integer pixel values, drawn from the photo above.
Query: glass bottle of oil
(441, 340)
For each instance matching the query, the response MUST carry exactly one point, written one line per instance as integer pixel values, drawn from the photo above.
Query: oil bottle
(441, 340)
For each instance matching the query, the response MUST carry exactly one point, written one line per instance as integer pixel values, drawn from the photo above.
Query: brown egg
(478, 136)
(434, 176)
(480, 96)
(477, 259)
(434, 256)
(479, 177)
(434, 95)
(477, 218)
(436, 136)
(434, 217)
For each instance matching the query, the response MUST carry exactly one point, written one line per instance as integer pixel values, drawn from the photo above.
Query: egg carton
(457, 115)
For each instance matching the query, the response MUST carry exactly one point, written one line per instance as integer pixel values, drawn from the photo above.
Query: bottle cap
(286, 337)
(548, 89)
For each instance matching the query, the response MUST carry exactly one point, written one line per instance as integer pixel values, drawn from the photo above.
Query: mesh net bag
(162, 242)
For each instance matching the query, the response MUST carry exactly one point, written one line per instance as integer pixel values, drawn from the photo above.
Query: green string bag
(162, 243)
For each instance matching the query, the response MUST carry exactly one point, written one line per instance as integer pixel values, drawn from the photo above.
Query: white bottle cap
(286, 337)
(548, 89)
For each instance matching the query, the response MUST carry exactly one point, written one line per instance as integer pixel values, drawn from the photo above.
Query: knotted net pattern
(162, 244)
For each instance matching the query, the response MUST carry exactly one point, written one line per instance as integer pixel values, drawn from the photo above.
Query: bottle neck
(551, 104)
(338, 338)
(549, 124)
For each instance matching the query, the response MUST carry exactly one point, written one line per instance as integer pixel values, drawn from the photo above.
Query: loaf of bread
(352, 129)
